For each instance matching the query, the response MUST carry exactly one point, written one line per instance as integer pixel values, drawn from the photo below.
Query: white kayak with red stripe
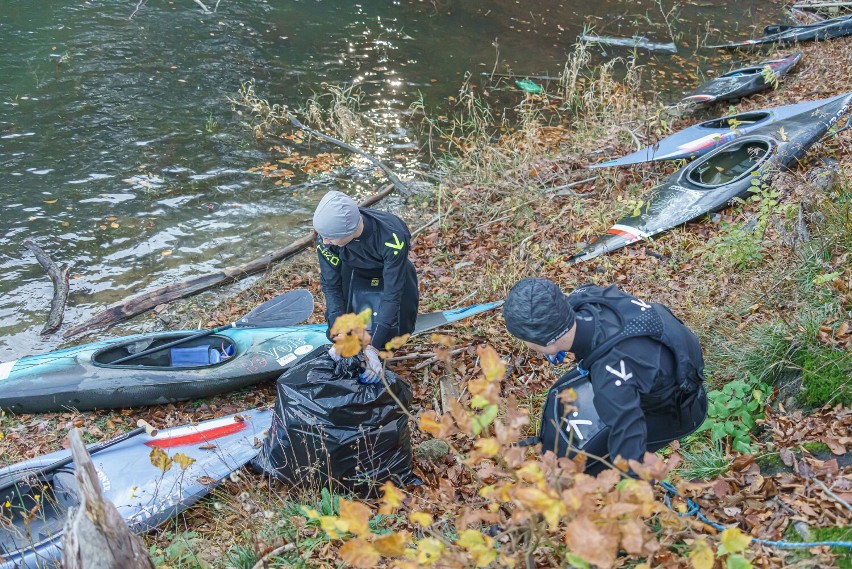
(145, 495)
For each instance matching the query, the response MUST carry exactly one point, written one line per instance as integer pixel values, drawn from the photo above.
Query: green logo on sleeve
(397, 244)
(332, 259)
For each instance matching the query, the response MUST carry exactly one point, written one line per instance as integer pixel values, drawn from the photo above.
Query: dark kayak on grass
(146, 497)
(699, 139)
(82, 377)
(827, 29)
(711, 182)
(744, 81)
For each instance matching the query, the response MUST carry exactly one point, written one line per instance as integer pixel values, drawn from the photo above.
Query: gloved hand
(332, 353)
(557, 359)
(373, 366)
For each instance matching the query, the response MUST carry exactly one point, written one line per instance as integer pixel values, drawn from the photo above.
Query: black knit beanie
(536, 311)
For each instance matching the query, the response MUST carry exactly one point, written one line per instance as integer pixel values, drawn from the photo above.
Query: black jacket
(380, 251)
(637, 376)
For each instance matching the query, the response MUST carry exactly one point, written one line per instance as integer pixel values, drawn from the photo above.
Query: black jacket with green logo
(381, 252)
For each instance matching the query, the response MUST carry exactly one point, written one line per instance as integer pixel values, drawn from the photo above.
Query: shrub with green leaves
(733, 412)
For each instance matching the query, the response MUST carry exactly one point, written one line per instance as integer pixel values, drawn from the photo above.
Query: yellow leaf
(428, 424)
(488, 447)
(391, 499)
(165, 253)
(421, 518)
(359, 553)
(160, 459)
(397, 342)
(492, 366)
(348, 322)
(392, 544)
(428, 551)
(734, 540)
(114, 225)
(183, 461)
(356, 516)
(701, 556)
(479, 546)
(348, 345)
(541, 502)
(310, 513)
(50, 201)
(333, 526)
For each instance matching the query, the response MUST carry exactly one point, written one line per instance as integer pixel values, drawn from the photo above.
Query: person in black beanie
(363, 257)
(644, 365)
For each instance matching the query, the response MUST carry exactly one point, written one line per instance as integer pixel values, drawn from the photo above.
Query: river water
(122, 157)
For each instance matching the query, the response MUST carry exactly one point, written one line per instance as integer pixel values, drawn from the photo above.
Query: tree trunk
(59, 276)
(95, 535)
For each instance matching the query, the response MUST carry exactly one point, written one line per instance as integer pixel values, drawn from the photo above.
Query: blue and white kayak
(35, 508)
(713, 181)
(699, 139)
(83, 378)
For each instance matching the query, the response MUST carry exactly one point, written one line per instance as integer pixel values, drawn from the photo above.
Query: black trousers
(364, 291)
(661, 428)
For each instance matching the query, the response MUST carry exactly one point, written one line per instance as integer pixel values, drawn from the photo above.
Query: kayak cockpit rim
(35, 511)
(733, 121)
(731, 163)
(205, 352)
(744, 71)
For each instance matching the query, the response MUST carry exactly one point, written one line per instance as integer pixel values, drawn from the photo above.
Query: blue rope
(693, 509)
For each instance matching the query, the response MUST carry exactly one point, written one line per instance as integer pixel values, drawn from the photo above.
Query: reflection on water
(120, 155)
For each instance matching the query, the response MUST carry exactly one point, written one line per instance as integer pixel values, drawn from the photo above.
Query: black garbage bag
(328, 430)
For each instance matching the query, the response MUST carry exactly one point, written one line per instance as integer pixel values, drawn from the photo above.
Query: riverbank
(767, 310)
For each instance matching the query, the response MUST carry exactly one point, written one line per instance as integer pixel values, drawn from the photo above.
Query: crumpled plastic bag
(328, 430)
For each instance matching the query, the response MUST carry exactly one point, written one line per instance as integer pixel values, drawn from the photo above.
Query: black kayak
(84, 377)
(744, 81)
(827, 29)
(713, 181)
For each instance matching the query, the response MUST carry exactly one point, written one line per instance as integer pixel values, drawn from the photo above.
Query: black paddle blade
(291, 308)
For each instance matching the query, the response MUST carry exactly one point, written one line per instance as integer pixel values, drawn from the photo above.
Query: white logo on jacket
(623, 375)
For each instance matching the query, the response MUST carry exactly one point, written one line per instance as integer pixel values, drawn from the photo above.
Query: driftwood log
(194, 285)
(59, 276)
(95, 535)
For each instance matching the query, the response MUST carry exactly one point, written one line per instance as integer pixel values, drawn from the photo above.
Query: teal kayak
(83, 377)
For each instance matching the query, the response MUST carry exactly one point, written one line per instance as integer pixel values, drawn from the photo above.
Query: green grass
(704, 461)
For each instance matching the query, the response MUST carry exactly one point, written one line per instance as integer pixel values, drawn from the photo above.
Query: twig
(572, 184)
(433, 359)
(139, 5)
(832, 494)
(428, 224)
(398, 184)
(635, 138)
(203, 7)
(261, 563)
(406, 357)
(59, 277)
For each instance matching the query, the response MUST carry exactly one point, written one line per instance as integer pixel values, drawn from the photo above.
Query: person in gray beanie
(363, 257)
(638, 378)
